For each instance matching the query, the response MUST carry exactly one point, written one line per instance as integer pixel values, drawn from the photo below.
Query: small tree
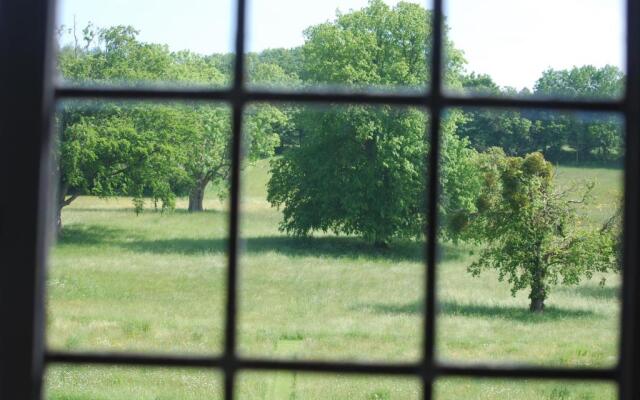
(534, 235)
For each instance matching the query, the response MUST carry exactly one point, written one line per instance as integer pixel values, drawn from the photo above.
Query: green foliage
(115, 55)
(290, 61)
(361, 169)
(533, 233)
(587, 82)
(561, 137)
(377, 46)
(150, 149)
(589, 138)
(114, 149)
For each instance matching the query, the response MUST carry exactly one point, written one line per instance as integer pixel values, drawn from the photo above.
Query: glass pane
(492, 389)
(125, 383)
(544, 48)
(356, 44)
(132, 43)
(531, 226)
(291, 385)
(133, 268)
(332, 208)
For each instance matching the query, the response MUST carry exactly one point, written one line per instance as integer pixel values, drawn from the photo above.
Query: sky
(511, 40)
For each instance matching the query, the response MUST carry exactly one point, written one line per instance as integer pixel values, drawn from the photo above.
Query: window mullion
(25, 176)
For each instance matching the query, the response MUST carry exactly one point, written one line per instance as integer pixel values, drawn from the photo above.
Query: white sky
(511, 40)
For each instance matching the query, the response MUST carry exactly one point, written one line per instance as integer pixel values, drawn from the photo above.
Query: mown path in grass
(155, 283)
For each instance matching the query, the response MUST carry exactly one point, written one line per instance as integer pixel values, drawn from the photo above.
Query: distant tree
(591, 137)
(361, 169)
(479, 84)
(108, 149)
(586, 82)
(486, 128)
(196, 136)
(114, 149)
(532, 232)
(507, 129)
(586, 137)
(289, 60)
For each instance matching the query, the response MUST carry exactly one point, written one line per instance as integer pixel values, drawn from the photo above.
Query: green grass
(155, 283)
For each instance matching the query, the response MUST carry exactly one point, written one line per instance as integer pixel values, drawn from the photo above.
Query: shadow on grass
(90, 235)
(594, 292)
(332, 246)
(146, 211)
(511, 313)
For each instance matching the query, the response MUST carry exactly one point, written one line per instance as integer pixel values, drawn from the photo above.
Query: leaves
(361, 169)
(532, 233)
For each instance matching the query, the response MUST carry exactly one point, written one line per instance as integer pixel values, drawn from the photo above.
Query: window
(25, 117)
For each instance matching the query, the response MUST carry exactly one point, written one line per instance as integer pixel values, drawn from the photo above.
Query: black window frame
(27, 100)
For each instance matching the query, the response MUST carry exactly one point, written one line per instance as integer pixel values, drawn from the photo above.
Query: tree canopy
(150, 149)
(361, 169)
(531, 230)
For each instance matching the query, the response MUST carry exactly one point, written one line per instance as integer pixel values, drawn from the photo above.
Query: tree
(114, 149)
(586, 82)
(486, 128)
(108, 149)
(289, 60)
(582, 137)
(361, 169)
(196, 136)
(591, 138)
(532, 232)
(208, 144)
(506, 129)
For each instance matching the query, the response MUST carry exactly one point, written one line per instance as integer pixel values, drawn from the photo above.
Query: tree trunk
(538, 290)
(381, 244)
(196, 197)
(538, 293)
(59, 218)
(62, 197)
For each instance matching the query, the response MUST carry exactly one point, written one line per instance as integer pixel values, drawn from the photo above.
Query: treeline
(576, 138)
(162, 150)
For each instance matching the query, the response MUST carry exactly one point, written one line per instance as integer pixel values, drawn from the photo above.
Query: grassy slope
(155, 282)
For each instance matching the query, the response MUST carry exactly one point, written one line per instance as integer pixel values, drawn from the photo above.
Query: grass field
(155, 283)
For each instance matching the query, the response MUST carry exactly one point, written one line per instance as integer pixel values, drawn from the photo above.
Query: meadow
(155, 282)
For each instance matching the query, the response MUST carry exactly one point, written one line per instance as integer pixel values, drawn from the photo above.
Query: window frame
(28, 97)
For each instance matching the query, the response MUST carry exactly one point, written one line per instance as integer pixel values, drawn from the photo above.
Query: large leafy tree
(192, 139)
(208, 143)
(111, 149)
(361, 169)
(118, 149)
(532, 232)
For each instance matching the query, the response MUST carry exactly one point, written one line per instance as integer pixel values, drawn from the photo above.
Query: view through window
(341, 199)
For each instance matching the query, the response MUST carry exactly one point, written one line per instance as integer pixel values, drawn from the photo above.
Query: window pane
(132, 268)
(123, 383)
(330, 268)
(529, 265)
(492, 389)
(355, 44)
(545, 48)
(132, 43)
(292, 385)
